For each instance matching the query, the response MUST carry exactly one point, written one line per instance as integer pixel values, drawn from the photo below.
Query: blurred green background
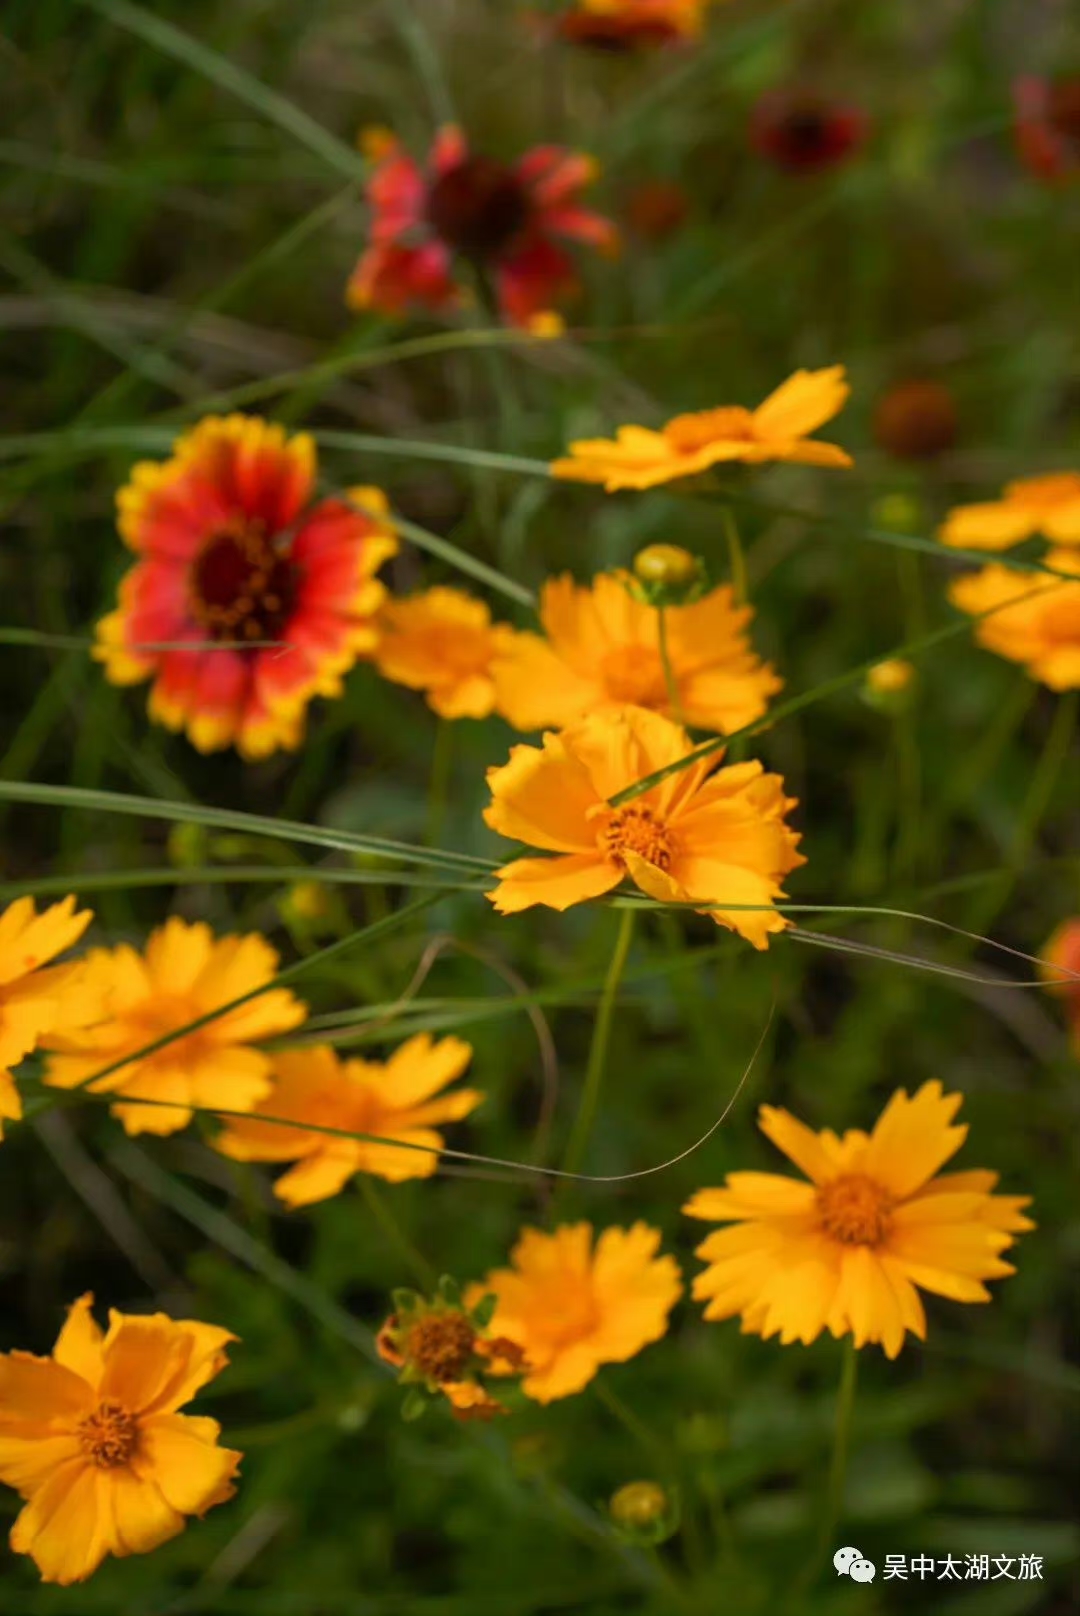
(178, 216)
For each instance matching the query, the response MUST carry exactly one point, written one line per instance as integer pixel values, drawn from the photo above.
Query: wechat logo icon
(850, 1563)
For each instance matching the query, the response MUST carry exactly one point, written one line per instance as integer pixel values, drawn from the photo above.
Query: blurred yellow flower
(442, 642)
(572, 1305)
(392, 1101)
(1049, 505)
(846, 1251)
(1035, 618)
(691, 839)
(601, 651)
(1061, 954)
(890, 677)
(777, 430)
(92, 1438)
(33, 1001)
(185, 973)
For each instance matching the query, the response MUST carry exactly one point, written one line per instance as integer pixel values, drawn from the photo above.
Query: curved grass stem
(598, 1049)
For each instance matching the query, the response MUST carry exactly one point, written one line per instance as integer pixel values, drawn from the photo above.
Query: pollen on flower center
(633, 674)
(441, 1345)
(855, 1209)
(689, 432)
(636, 830)
(241, 587)
(109, 1435)
(478, 207)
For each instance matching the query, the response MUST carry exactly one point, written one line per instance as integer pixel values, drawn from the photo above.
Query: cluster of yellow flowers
(92, 1437)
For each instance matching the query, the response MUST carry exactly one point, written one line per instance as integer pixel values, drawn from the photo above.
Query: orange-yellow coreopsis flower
(1035, 618)
(34, 1001)
(184, 974)
(778, 429)
(572, 1304)
(398, 1100)
(93, 1440)
(601, 649)
(250, 595)
(442, 642)
(847, 1251)
(1048, 505)
(714, 839)
(447, 1349)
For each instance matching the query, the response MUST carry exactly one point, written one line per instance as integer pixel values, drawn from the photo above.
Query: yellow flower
(601, 650)
(1036, 618)
(442, 642)
(1048, 505)
(572, 1306)
(719, 840)
(846, 1251)
(185, 973)
(777, 430)
(34, 1001)
(391, 1101)
(92, 1438)
(890, 678)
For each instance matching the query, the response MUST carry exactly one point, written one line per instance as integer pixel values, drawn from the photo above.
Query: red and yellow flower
(508, 219)
(250, 596)
(804, 133)
(93, 1440)
(848, 1251)
(698, 837)
(778, 429)
(621, 25)
(600, 650)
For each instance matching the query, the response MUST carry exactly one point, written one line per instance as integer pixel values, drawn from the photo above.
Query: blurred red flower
(1048, 126)
(508, 219)
(803, 133)
(622, 25)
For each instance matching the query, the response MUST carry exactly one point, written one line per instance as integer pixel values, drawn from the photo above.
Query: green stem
(667, 1465)
(442, 755)
(834, 1486)
(418, 1265)
(736, 559)
(669, 672)
(594, 1071)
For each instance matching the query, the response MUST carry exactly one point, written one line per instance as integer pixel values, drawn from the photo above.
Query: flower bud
(916, 420)
(889, 685)
(644, 1512)
(186, 845)
(667, 575)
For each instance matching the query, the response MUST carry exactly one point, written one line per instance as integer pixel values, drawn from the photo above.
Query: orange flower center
(441, 1345)
(241, 585)
(687, 433)
(478, 207)
(855, 1209)
(636, 830)
(636, 675)
(109, 1435)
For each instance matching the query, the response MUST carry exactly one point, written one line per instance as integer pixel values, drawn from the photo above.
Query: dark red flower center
(242, 586)
(478, 207)
(806, 131)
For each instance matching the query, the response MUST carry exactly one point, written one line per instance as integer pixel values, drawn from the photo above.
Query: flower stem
(669, 672)
(418, 1265)
(834, 1486)
(736, 560)
(594, 1071)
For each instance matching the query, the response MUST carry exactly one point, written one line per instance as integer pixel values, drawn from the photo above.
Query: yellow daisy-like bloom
(697, 837)
(572, 1305)
(1047, 505)
(33, 1001)
(442, 642)
(1036, 618)
(399, 1100)
(93, 1439)
(185, 973)
(777, 430)
(846, 1251)
(601, 649)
